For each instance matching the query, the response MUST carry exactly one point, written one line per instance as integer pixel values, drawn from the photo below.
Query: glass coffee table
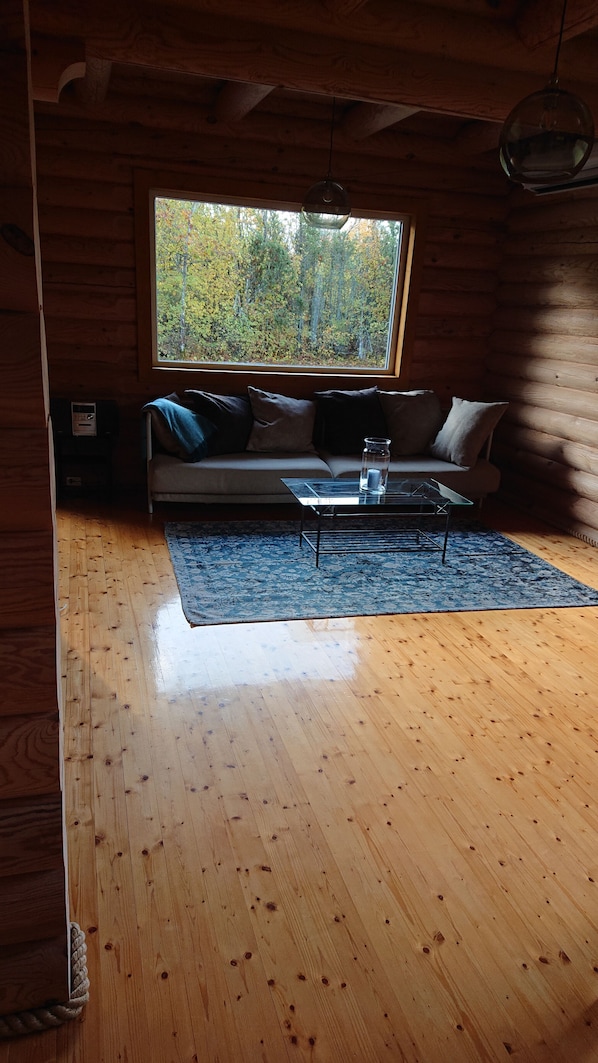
(326, 505)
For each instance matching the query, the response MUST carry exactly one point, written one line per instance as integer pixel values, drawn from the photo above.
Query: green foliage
(249, 286)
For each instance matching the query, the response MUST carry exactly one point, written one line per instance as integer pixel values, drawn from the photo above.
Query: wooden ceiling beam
(540, 21)
(93, 87)
(236, 99)
(412, 27)
(316, 65)
(364, 119)
(240, 51)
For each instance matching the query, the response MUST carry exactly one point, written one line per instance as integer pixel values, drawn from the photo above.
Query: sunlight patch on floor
(207, 658)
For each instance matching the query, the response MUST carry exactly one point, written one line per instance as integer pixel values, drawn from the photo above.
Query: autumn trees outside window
(245, 286)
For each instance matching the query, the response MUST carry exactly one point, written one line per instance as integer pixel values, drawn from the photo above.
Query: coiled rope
(23, 1022)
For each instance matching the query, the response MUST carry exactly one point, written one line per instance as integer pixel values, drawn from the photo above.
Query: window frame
(149, 185)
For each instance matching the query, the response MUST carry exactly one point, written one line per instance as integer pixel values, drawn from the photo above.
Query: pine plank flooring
(349, 840)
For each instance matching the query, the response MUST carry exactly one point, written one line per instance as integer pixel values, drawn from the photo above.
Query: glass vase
(374, 465)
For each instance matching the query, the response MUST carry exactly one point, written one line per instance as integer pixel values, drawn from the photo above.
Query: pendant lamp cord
(331, 138)
(555, 76)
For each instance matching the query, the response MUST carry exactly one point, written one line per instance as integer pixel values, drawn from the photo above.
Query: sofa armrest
(148, 457)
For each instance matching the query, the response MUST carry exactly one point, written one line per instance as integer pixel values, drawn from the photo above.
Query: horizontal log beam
(543, 345)
(266, 128)
(33, 974)
(455, 304)
(30, 835)
(557, 507)
(290, 167)
(418, 29)
(23, 383)
(577, 271)
(33, 907)
(549, 294)
(30, 755)
(566, 426)
(479, 211)
(359, 70)
(549, 470)
(21, 281)
(94, 224)
(557, 214)
(548, 319)
(99, 196)
(551, 447)
(26, 579)
(561, 400)
(80, 278)
(458, 280)
(537, 246)
(25, 480)
(28, 682)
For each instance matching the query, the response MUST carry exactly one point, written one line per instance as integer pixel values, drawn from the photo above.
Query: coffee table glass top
(399, 492)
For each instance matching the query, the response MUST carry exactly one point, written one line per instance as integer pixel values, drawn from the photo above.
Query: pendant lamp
(548, 136)
(326, 204)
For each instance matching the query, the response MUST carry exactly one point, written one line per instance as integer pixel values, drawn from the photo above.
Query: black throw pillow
(231, 416)
(345, 418)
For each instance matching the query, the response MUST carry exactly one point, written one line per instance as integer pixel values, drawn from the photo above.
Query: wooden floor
(365, 839)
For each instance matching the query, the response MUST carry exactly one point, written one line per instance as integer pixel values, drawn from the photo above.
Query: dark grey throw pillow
(280, 422)
(231, 416)
(345, 418)
(412, 420)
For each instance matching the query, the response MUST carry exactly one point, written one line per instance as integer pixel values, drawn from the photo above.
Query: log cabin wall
(544, 358)
(34, 927)
(87, 159)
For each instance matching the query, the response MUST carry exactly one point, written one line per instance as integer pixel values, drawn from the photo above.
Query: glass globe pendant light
(326, 204)
(547, 138)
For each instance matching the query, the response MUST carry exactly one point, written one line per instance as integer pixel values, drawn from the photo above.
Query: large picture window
(253, 287)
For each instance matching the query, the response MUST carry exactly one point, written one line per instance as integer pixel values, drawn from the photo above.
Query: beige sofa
(255, 473)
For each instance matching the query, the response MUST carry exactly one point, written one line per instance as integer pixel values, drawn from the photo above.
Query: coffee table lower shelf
(359, 541)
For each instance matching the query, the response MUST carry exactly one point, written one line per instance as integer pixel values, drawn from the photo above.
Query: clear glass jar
(374, 464)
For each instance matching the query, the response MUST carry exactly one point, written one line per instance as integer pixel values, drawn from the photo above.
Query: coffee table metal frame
(331, 500)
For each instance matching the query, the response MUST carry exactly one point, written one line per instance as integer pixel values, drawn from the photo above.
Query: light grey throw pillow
(465, 431)
(280, 422)
(412, 420)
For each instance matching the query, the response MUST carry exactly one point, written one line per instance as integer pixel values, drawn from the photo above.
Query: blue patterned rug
(247, 571)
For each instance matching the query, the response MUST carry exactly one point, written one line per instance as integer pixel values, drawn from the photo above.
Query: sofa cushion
(234, 477)
(178, 430)
(476, 482)
(231, 416)
(345, 418)
(465, 431)
(412, 420)
(280, 422)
